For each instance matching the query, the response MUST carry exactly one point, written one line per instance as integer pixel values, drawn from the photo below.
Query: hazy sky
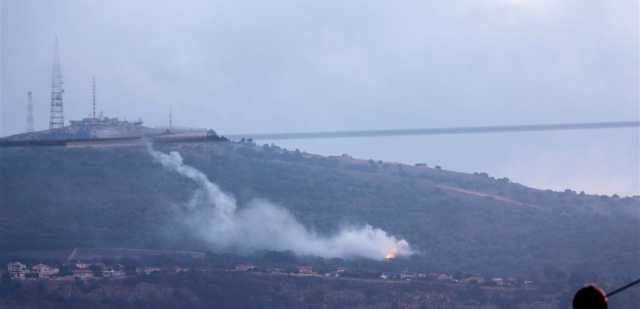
(273, 66)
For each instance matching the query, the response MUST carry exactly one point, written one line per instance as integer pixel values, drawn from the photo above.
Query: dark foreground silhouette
(590, 297)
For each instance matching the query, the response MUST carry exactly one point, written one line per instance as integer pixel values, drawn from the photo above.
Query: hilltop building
(106, 127)
(101, 126)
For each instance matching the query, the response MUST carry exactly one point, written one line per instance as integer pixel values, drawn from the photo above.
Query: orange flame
(390, 255)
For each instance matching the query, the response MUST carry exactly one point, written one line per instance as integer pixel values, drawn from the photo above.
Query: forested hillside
(54, 197)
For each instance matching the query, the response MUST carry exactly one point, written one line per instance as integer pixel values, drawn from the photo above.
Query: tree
(8, 285)
(96, 270)
(65, 270)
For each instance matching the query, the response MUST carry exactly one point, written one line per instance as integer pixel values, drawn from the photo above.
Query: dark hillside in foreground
(55, 197)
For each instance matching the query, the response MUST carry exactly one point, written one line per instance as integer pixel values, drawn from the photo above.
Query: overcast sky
(283, 66)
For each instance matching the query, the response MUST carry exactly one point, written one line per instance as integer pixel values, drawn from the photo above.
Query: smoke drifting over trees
(261, 225)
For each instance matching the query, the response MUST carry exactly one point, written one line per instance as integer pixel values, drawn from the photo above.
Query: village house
(305, 270)
(179, 269)
(82, 273)
(245, 267)
(113, 272)
(473, 280)
(337, 273)
(408, 276)
(17, 270)
(498, 281)
(82, 266)
(44, 271)
(148, 270)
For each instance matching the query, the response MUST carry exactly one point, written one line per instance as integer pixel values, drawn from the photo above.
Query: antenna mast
(93, 93)
(56, 119)
(29, 112)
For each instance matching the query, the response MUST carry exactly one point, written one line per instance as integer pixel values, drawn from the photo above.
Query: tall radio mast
(56, 119)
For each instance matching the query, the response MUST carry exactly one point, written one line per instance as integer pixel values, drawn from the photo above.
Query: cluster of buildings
(17, 270)
(470, 279)
(85, 271)
(80, 270)
(301, 270)
(20, 271)
(104, 127)
(401, 276)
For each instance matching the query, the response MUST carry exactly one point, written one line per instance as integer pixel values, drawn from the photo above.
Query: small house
(45, 271)
(17, 270)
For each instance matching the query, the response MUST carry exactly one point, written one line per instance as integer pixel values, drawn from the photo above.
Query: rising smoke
(261, 225)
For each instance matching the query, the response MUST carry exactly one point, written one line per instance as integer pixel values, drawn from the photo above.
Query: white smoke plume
(261, 225)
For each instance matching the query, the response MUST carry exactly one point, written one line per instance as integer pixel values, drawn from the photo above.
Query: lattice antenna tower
(29, 112)
(56, 119)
